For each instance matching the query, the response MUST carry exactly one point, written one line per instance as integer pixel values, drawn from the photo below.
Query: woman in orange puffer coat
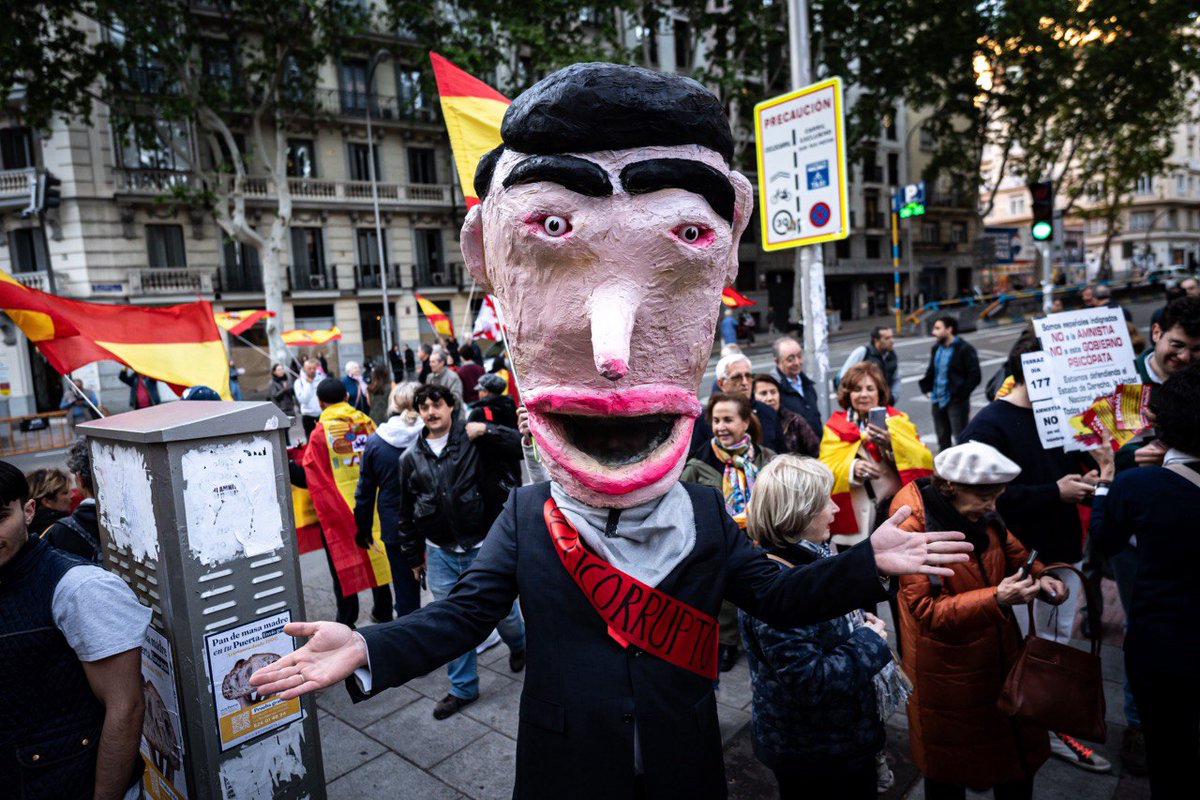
(964, 636)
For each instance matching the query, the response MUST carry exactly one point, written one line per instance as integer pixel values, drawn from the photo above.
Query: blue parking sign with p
(818, 174)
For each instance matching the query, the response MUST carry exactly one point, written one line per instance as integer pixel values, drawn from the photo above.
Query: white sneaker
(1074, 752)
(489, 642)
(884, 779)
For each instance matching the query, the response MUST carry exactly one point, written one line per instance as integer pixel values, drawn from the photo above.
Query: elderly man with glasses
(736, 376)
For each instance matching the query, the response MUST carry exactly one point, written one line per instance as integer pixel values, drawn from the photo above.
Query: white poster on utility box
(1088, 352)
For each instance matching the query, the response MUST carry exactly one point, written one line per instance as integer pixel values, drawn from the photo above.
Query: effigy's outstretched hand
(331, 655)
(901, 552)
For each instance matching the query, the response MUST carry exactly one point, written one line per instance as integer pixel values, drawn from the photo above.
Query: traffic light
(1042, 195)
(49, 191)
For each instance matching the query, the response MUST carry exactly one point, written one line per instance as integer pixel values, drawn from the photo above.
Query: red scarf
(635, 612)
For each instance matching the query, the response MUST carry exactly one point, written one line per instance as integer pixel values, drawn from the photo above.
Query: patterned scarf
(738, 480)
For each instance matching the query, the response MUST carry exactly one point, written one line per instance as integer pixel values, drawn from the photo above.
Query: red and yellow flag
(237, 322)
(332, 461)
(839, 447)
(473, 112)
(179, 345)
(437, 318)
(305, 337)
(732, 298)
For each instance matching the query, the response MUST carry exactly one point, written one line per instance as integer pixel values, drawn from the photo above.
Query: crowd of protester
(444, 440)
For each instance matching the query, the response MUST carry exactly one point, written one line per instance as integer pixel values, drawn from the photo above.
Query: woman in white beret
(961, 636)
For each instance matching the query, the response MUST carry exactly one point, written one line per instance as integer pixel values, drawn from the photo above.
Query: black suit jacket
(583, 691)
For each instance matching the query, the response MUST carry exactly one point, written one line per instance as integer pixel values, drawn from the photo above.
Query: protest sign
(1087, 353)
(233, 656)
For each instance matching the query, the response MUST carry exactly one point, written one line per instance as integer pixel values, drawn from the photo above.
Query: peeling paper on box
(261, 768)
(125, 499)
(230, 500)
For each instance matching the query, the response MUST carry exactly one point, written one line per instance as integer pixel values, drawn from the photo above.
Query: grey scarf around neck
(647, 541)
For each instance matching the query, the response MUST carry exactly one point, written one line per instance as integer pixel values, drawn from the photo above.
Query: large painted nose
(613, 308)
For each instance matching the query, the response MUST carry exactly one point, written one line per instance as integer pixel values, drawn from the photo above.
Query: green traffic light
(1042, 231)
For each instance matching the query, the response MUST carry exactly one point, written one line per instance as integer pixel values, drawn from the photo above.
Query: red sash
(635, 612)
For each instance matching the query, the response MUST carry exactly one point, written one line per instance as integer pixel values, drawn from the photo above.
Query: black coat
(805, 406)
(964, 373)
(582, 691)
(445, 498)
(768, 420)
(378, 489)
(501, 475)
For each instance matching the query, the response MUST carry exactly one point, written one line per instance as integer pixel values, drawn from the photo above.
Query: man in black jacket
(797, 391)
(446, 509)
(952, 374)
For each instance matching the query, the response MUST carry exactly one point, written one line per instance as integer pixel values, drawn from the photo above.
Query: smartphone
(1027, 567)
(422, 575)
(877, 416)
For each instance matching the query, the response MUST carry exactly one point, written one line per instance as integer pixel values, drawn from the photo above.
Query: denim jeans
(404, 585)
(442, 570)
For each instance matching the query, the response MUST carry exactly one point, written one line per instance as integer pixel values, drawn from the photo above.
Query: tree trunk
(273, 284)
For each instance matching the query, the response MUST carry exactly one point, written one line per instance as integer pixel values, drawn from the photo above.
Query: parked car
(1168, 277)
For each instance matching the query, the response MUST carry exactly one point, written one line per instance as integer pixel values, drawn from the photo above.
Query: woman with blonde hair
(378, 490)
(821, 692)
(50, 489)
(873, 450)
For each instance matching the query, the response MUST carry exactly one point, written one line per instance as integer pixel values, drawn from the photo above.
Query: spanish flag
(238, 322)
(839, 446)
(473, 112)
(179, 345)
(305, 337)
(437, 318)
(732, 298)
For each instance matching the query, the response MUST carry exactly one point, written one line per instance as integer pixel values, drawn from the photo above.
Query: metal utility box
(195, 515)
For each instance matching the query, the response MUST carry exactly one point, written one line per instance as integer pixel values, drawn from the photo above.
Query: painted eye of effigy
(692, 234)
(555, 226)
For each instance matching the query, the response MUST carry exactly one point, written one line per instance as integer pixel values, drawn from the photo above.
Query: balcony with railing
(367, 277)
(313, 191)
(171, 281)
(438, 276)
(15, 187)
(34, 280)
(384, 108)
(238, 279)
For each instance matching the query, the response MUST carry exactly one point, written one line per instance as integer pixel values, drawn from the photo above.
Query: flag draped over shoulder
(179, 345)
(438, 319)
(473, 112)
(332, 461)
(839, 446)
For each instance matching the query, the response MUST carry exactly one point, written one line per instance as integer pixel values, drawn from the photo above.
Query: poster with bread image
(233, 656)
(162, 736)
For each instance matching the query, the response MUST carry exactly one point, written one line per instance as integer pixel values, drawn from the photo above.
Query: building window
(164, 246)
(683, 45)
(893, 168)
(930, 233)
(220, 64)
(1016, 204)
(1181, 185)
(169, 150)
(958, 232)
(1126, 250)
(1140, 220)
(410, 85)
(422, 165)
(360, 165)
(889, 124)
(874, 247)
(1145, 185)
(928, 140)
(16, 148)
(308, 259)
(243, 270)
(431, 266)
(27, 248)
(301, 159)
(353, 87)
(368, 250)
(841, 248)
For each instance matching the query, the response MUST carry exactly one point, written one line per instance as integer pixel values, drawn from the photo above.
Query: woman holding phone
(873, 451)
(961, 636)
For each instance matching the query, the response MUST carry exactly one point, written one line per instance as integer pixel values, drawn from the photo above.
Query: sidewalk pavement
(391, 746)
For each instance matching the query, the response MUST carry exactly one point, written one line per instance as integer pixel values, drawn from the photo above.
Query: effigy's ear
(743, 206)
(471, 242)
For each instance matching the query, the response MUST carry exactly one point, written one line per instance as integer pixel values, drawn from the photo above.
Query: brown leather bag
(1056, 686)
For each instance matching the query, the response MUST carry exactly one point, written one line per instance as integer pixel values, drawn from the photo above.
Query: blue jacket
(379, 477)
(814, 694)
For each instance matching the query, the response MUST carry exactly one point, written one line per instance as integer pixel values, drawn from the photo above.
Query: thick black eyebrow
(651, 175)
(576, 174)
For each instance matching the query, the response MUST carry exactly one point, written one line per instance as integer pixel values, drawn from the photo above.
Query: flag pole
(467, 310)
(264, 353)
(84, 397)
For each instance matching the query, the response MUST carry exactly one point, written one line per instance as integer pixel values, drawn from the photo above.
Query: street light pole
(809, 264)
(383, 280)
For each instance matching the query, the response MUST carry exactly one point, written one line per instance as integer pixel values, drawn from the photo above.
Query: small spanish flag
(305, 337)
(238, 322)
(473, 112)
(437, 318)
(179, 345)
(732, 298)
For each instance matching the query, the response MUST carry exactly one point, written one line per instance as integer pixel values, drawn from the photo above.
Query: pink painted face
(611, 299)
